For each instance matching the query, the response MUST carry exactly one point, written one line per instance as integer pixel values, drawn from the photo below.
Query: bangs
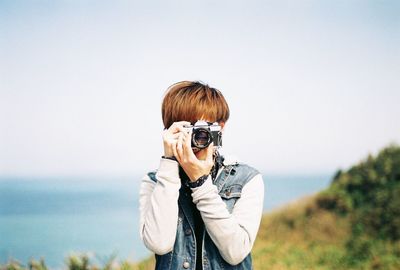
(192, 101)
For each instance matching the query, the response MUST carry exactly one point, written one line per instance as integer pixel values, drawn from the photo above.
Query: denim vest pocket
(230, 195)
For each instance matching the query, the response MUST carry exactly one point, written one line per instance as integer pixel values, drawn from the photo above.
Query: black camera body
(204, 133)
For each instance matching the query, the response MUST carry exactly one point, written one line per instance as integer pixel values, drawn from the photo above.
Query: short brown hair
(192, 101)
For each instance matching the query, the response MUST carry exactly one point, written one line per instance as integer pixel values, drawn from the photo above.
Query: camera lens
(201, 138)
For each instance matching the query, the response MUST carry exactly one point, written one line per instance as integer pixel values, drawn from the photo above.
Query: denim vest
(229, 182)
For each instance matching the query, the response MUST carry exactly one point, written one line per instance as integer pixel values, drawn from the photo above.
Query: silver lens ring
(201, 138)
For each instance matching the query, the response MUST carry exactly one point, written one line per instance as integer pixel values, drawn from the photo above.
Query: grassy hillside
(353, 224)
(301, 236)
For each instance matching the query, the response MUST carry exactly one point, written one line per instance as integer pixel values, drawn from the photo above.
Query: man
(199, 209)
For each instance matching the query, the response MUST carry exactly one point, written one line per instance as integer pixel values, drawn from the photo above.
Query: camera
(204, 133)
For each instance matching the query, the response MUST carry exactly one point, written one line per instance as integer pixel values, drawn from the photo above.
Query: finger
(170, 138)
(176, 129)
(187, 138)
(188, 143)
(179, 145)
(175, 152)
(174, 136)
(179, 130)
(178, 126)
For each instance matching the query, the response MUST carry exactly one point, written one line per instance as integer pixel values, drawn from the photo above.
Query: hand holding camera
(170, 137)
(193, 166)
(182, 139)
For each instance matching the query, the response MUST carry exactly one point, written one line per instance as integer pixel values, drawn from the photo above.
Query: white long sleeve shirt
(158, 203)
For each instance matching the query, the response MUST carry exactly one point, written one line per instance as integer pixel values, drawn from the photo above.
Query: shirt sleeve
(158, 206)
(233, 233)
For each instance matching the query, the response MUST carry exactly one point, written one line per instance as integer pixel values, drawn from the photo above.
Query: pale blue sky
(313, 85)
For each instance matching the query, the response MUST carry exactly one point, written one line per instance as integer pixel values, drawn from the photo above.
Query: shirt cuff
(203, 191)
(169, 170)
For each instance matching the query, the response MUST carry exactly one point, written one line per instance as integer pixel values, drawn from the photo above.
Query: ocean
(52, 218)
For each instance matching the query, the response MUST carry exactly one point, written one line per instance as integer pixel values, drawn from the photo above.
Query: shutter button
(186, 265)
